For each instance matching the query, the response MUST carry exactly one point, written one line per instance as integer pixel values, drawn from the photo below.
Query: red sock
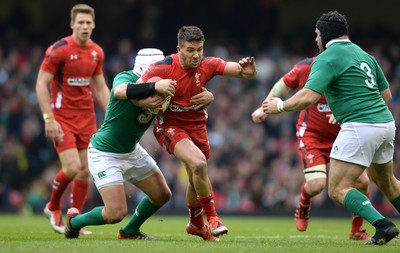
(196, 215)
(208, 205)
(304, 197)
(78, 193)
(357, 221)
(60, 183)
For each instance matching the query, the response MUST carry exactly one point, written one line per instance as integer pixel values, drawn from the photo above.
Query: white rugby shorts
(111, 168)
(363, 143)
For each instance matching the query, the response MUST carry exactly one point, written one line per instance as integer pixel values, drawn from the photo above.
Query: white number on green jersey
(370, 82)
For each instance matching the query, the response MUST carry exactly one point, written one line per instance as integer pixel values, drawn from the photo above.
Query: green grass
(246, 234)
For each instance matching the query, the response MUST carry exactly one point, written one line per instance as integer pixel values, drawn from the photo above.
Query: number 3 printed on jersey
(371, 81)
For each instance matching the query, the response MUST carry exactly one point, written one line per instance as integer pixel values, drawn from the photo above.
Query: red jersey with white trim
(180, 111)
(313, 119)
(73, 67)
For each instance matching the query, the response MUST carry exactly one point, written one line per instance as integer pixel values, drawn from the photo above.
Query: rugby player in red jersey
(73, 68)
(316, 132)
(181, 129)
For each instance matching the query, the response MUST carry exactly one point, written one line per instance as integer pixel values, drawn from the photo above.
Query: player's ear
(178, 48)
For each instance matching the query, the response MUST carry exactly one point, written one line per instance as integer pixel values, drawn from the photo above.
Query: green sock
(143, 211)
(360, 204)
(92, 217)
(396, 203)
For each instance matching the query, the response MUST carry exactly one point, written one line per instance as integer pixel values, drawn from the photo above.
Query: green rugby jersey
(124, 123)
(351, 80)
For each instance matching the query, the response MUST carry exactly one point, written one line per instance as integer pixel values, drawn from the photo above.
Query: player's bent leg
(196, 165)
(79, 191)
(315, 183)
(149, 205)
(115, 206)
(357, 232)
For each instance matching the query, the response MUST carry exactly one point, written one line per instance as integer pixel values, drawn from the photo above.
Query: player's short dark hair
(189, 33)
(332, 25)
(81, 8)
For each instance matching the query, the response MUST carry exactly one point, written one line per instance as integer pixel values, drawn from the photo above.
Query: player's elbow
(310, 97)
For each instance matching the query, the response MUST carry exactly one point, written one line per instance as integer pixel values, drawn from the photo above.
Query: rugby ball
(167, 99)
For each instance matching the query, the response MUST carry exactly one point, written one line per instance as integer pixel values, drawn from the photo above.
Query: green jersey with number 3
(124, 123)
(352, 81)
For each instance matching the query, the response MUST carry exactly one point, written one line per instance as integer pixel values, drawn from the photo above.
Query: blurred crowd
(254, 168)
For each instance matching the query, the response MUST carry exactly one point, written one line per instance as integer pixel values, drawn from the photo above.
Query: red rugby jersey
(188, 83)
(73, 66)
(313, 119)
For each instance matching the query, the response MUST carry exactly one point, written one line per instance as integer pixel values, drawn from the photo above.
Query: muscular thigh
(170, 136)
(113, 197)
(344, 174)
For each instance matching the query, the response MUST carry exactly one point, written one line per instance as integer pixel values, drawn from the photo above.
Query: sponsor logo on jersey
(73, 57)
(178, 108)
(76, 81)
(323, 107)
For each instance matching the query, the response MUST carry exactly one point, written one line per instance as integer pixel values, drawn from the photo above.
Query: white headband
(145, 57)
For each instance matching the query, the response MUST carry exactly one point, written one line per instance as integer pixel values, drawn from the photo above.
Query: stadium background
(254, 168)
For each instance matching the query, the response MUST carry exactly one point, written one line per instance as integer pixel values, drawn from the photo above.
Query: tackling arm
(280, 89)
(299, 101)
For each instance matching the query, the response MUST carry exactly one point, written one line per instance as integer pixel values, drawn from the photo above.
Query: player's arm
(278, 90)
(102, 92)
(139, 90)
(299, 101)
(53, 129)
(245, 68)
(386, 95)
(42, 90)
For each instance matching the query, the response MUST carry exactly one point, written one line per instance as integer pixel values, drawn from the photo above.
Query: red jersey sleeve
(298, 75)
(54, 58)
(215, 65)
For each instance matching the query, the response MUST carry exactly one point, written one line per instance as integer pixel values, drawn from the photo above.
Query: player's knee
(72, 168)
(362, 185)
(199, 167)
(316, 186)
(83, 174)
(333, 193)
(115, 215)
(164, 196)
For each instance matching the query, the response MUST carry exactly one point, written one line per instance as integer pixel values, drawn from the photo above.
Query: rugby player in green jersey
(358, 95)
(115, 155)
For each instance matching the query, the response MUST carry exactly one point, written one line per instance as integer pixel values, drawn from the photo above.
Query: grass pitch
(246, 234)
